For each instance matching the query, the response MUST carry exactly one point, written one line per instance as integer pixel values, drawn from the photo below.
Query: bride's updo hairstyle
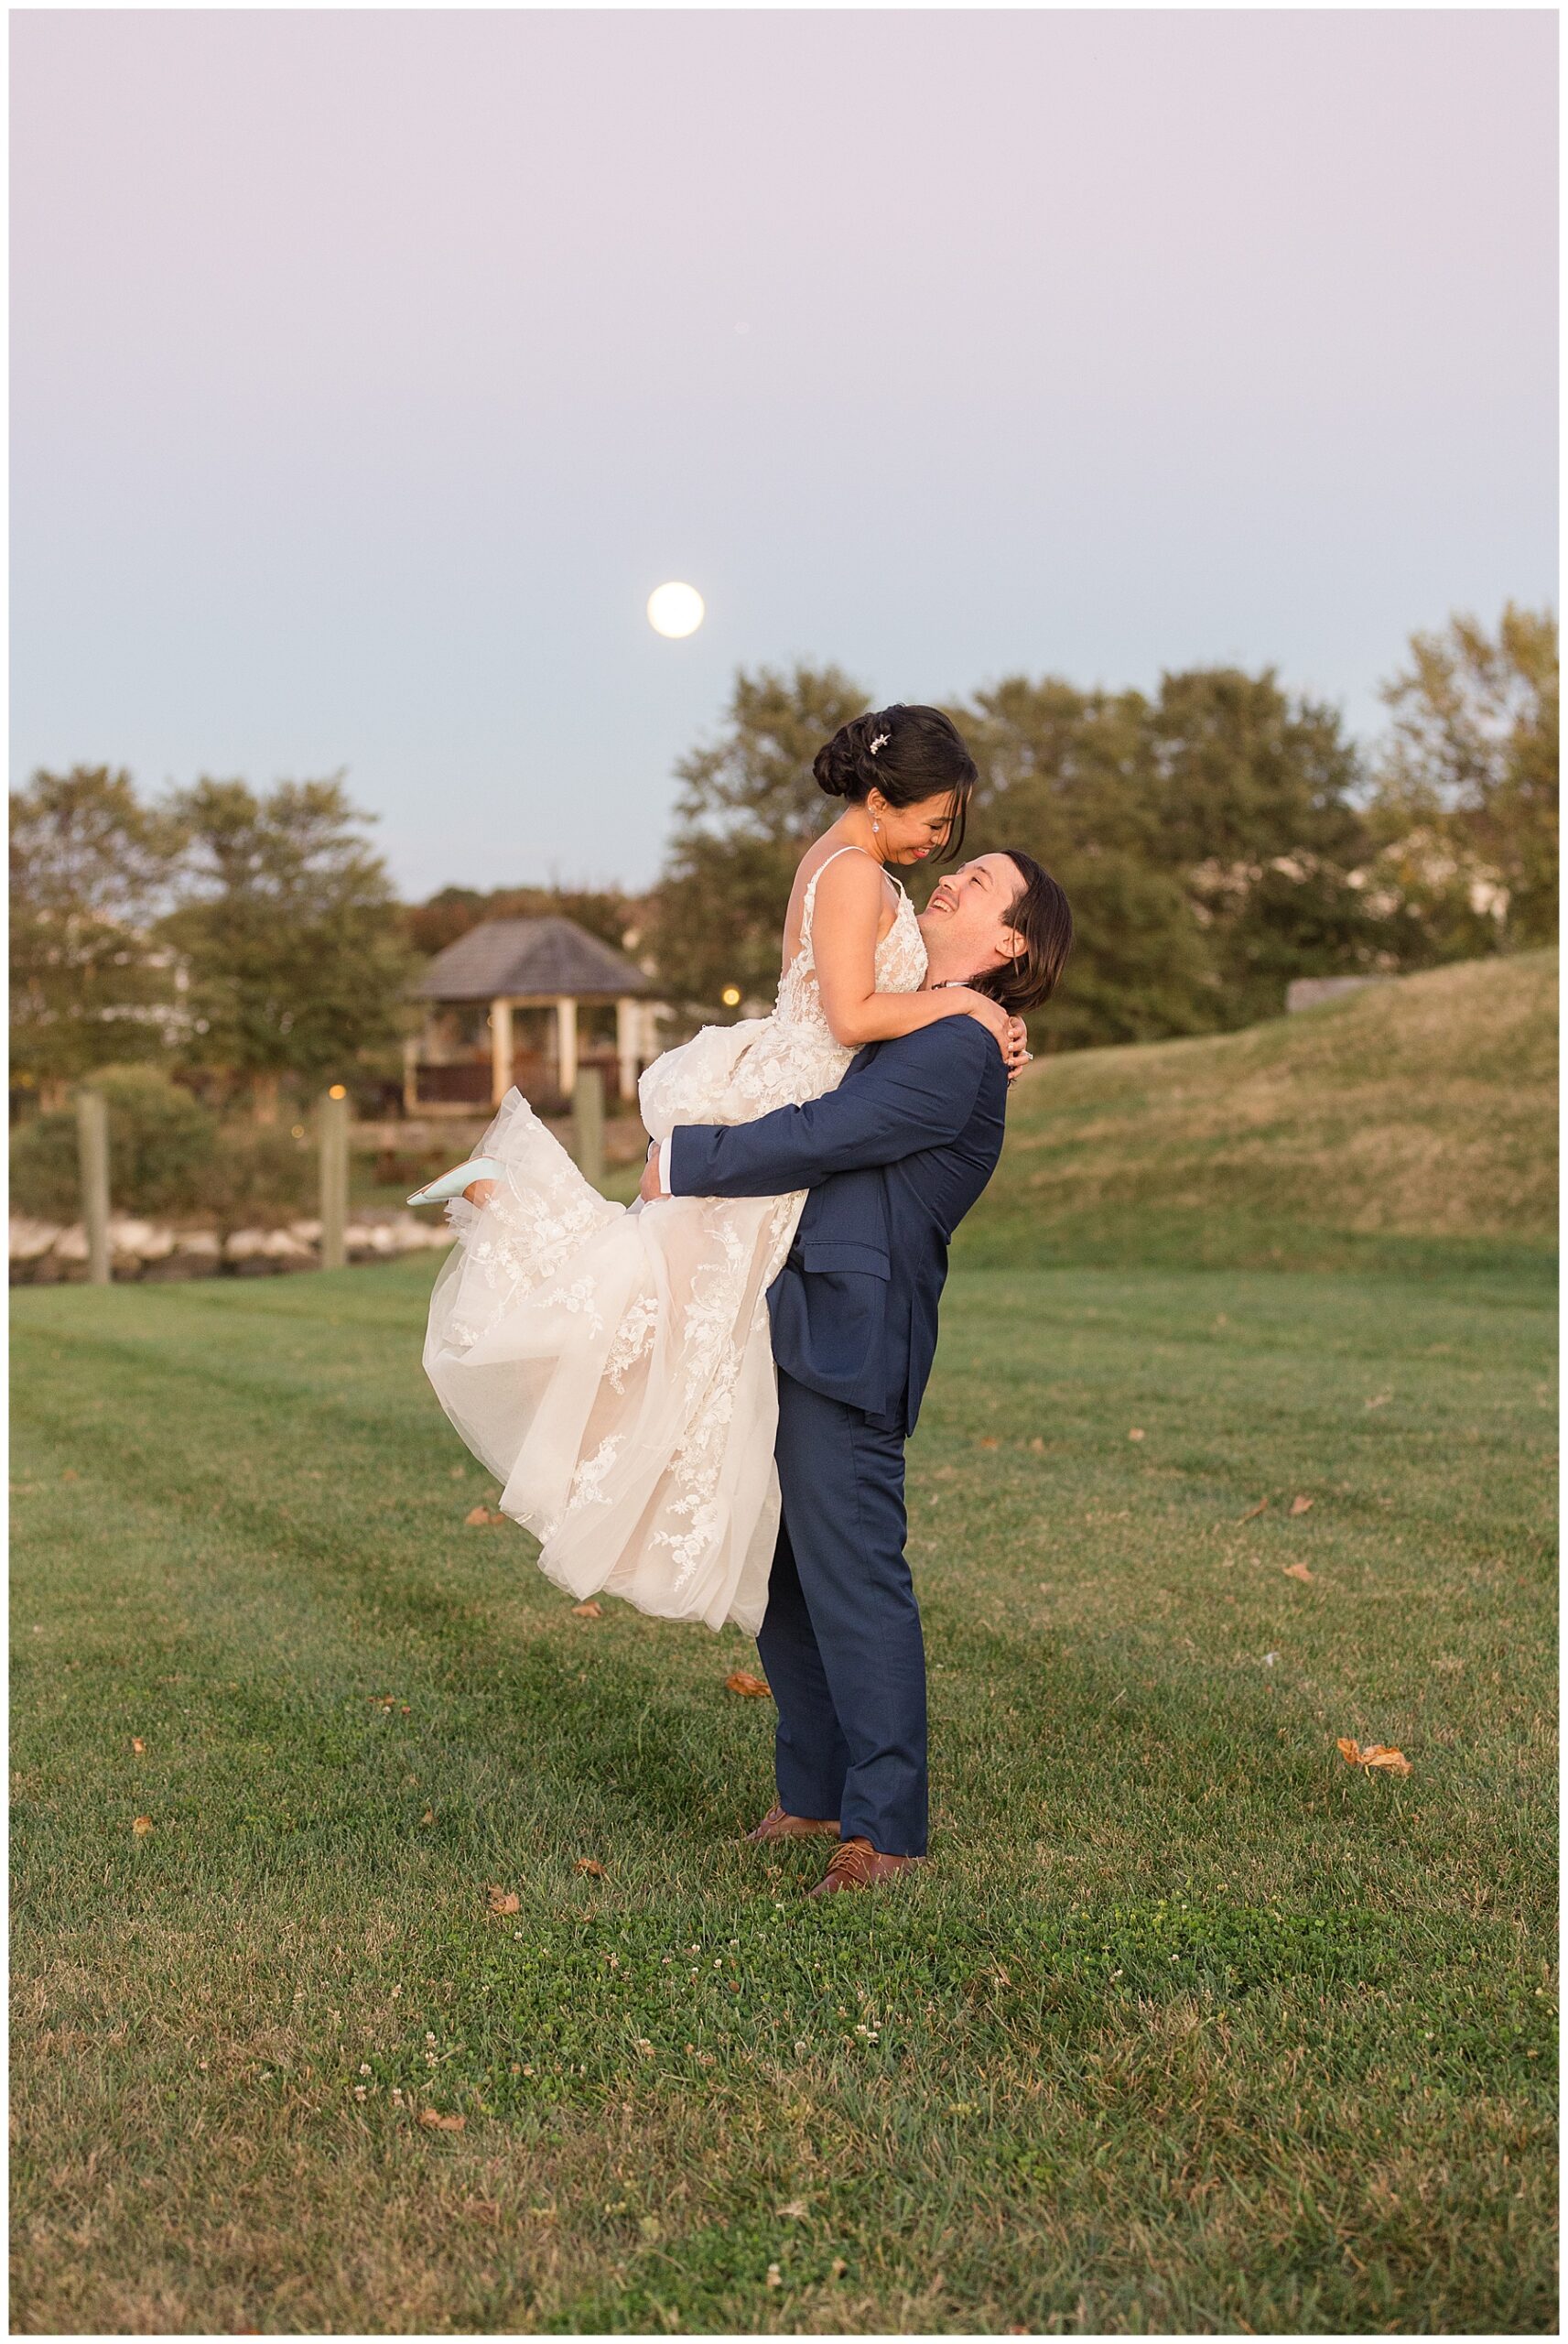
(910, 753)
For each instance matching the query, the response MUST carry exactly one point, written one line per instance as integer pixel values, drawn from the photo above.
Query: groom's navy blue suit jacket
(894, 1159)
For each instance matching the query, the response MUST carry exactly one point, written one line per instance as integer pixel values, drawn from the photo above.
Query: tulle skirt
(611, 1366)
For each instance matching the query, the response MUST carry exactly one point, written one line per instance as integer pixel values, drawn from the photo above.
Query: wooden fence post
(334, 1178)
(587, 1124)
(92, 1154)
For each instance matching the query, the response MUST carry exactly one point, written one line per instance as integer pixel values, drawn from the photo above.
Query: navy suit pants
(841, 1642)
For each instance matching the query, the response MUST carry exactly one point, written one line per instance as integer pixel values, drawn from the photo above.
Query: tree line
(255, 939)
(1217, 836)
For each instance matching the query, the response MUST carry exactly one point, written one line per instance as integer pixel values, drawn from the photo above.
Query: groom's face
(966, 924)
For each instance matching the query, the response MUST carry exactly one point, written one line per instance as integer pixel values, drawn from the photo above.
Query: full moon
(674, 610)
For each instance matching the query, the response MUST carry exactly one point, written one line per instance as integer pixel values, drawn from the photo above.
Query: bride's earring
(875, 825)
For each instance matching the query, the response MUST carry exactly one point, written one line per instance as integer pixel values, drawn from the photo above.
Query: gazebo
(530, 1002)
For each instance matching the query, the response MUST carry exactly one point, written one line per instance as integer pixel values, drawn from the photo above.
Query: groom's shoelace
(852, 1860)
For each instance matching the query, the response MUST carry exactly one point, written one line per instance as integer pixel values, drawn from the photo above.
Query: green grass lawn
(1189, 2026)
(1355, 1135)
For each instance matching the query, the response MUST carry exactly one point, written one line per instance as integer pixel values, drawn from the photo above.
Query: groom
(894, 1159)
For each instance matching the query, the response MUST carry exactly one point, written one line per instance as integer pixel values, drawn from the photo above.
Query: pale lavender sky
(370, 369)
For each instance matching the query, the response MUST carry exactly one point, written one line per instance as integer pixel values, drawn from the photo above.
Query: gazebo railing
(465, 1084)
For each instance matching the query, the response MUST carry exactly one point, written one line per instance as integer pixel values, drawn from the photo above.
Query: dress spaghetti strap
(809, 899)
(811, 883)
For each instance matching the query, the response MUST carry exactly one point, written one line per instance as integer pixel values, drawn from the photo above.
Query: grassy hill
(1410, 1125)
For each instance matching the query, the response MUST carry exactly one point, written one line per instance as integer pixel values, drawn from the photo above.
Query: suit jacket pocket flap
(842, 1253)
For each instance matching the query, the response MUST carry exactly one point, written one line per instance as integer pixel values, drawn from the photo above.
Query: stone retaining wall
(44, 1252)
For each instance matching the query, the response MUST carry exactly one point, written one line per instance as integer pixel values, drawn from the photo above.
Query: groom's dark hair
(1042, 917)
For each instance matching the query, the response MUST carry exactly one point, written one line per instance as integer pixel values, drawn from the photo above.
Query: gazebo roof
(529, 956)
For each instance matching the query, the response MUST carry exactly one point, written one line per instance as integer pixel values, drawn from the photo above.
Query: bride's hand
(991, 1015)
(1016, 1049)
(650, 1191)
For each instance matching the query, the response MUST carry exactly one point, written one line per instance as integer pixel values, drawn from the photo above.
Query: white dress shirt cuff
(664, 1167)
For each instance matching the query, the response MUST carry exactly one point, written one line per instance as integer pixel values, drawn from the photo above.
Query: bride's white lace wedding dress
(613, 1366)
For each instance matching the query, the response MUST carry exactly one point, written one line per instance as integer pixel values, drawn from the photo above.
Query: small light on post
(730, 996)
(338, 1091)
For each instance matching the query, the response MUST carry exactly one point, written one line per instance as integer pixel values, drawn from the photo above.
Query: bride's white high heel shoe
(453, 1183)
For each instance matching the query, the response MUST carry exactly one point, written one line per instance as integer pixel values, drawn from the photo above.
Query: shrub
(161, 1146)
(261, 1175)
(168, 1155)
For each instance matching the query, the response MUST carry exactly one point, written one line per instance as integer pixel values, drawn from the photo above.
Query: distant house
(1305, 992)
(529, 1002)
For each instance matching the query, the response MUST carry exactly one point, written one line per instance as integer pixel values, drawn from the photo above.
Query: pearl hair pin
(880, 742)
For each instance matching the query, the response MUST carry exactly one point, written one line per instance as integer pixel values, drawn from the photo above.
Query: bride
(613, 1366)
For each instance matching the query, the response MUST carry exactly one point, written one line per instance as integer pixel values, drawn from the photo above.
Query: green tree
(748, 808)
(1245, 771)
(1137, 972)
(1468, 779)
(298, 962)
(1068, 777)
(1207, 840)
(1260, 808)
(91, 985)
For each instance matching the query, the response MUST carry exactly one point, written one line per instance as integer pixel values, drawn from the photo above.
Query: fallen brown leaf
(434, 2120)
(1298, 1570)
(757, 1687)
(591, 1864)
(1253, 1511)
(990, 1440)
(1300, 1505)
(429, 1816)
(142, 1824)
(1038, 1445)
(501, 1900)
(589, 1610)
(138, 1745)
(1137, 1433)
(1376, 1753)
(476, 1517)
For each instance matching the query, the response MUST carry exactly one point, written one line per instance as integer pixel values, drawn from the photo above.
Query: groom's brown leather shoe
(855, 1863)
(778, 1825)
